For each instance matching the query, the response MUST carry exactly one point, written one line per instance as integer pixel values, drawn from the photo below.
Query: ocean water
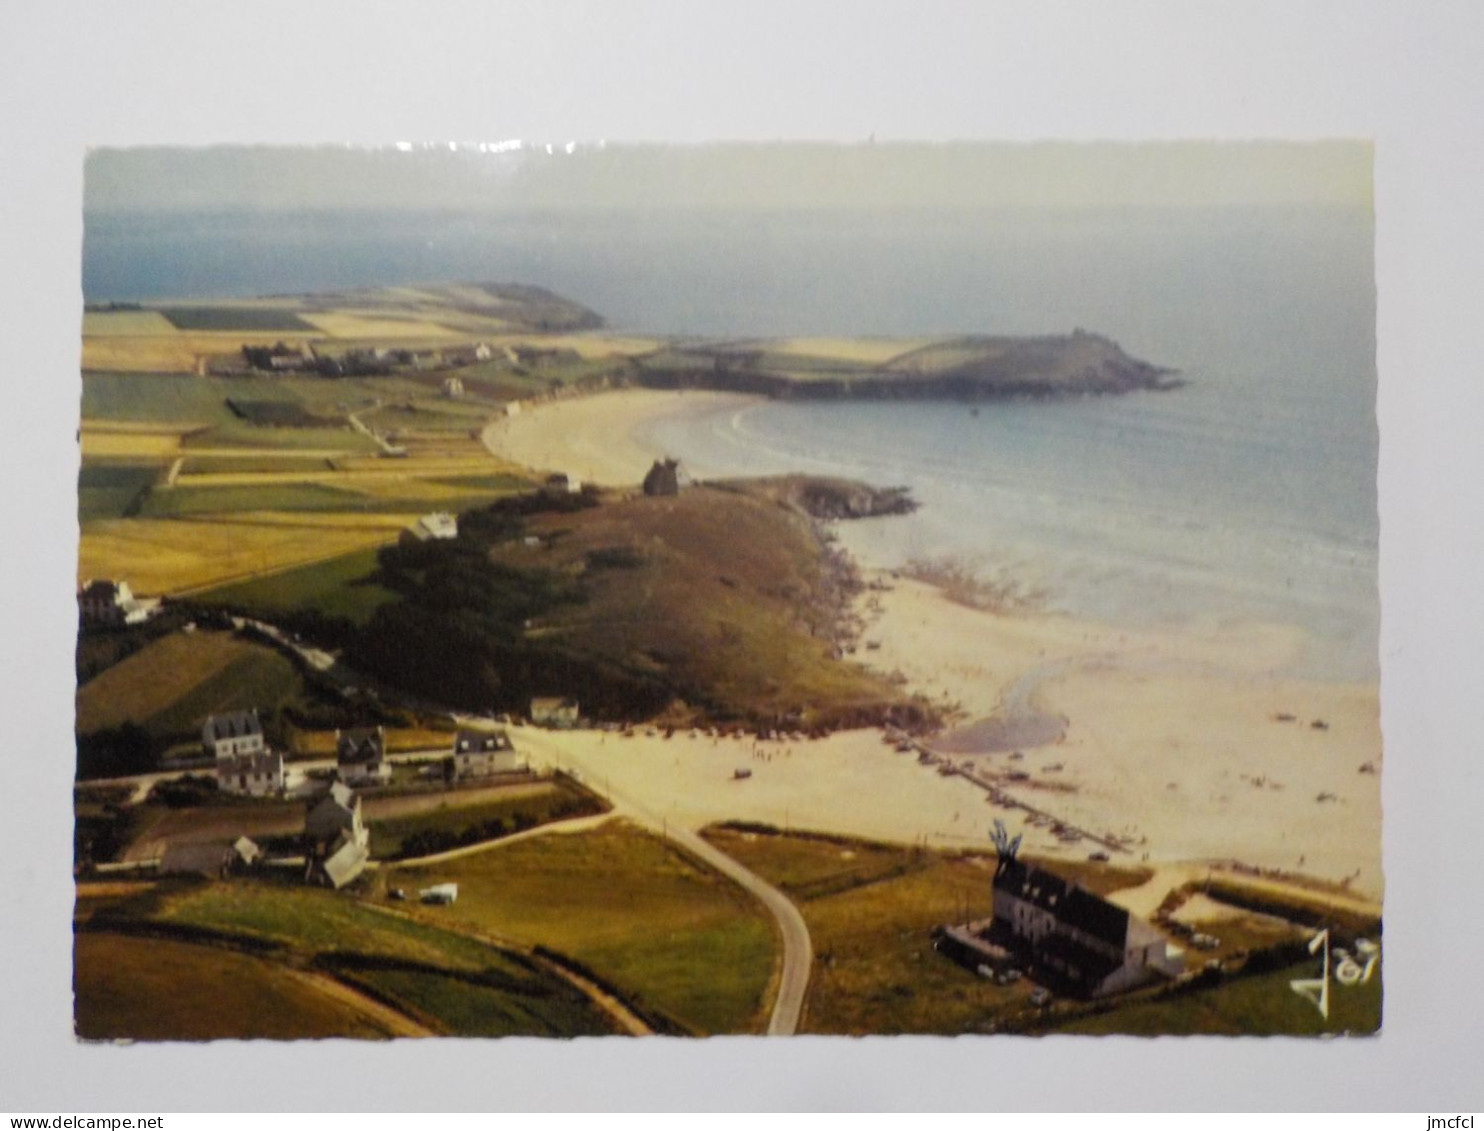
(1248, 494)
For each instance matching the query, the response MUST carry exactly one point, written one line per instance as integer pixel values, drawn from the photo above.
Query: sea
(1248, 494)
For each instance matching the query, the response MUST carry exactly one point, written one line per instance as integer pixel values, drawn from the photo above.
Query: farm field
(432, 979)
(159, 989)
(177, 556)
(870, 911)
(672, 935)
(469, 816)
(338, 587)
(171, 684)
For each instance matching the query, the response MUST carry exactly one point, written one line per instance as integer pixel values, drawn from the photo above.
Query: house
(438, 526)
(512, 408)
(439, 893)
(112, 603)
(1061, 934)
(478, 754)
(239, 732)
(336, 840)
(360, 756)
(258, 774)
(483, 352)
(561, 484)
(215, 860)
(663, 478)
(554, 712)
(453, 387)
(335, 812)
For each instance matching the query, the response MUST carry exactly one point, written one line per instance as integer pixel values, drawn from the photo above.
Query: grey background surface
(161, 73)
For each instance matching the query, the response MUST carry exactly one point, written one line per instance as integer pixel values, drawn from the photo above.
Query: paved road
(798, 953)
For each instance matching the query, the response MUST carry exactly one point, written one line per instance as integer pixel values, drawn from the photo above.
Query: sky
(514, 175)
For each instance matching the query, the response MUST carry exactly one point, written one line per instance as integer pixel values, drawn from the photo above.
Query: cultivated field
(177, 556)
(161, 990)
(430, 980)
(670, 934)
(171, 685)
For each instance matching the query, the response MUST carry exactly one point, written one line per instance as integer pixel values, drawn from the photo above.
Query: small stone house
(478, 754)
(111, 603)
(259, 774)
(336, 840)
(438, 526)
(554, 711)
(360, 756)
(238, 732)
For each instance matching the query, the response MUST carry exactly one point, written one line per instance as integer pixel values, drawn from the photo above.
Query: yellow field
(349, 324)
(172, 556)
(156, 677)
(125, 323)
(175, 352)
(141, 442)
(867, 351)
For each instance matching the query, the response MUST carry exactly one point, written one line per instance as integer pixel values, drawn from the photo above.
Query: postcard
(872, 589)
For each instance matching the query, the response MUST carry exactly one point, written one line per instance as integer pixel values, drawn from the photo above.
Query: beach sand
(1174, 742)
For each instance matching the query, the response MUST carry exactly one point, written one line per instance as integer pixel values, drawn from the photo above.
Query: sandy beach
(1182, 747)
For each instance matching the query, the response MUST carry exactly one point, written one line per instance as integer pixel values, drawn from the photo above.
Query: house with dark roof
(112, 603)
(336, 840)
(259, 774)
(1061, 935)
(238, 732)
(360, 756)
(478, 754)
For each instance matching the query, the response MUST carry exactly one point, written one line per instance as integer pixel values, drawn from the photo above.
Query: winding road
(798, 952)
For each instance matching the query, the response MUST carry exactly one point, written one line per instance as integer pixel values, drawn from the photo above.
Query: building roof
(247, 850)
(346, 862)
(361, 745)
(478, 741)
(1073, 906)
(235, 724)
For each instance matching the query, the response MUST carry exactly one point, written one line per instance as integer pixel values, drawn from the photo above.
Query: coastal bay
(1187, 746)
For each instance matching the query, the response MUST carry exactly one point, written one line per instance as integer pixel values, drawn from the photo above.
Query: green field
(171, 685)
(249, 319)
(338, 587)
(452, 983)
(176, 502)
(670, 934)
(871, 910)
(110, 489)
(450, 827)
(160, 990)
(1260, 1005)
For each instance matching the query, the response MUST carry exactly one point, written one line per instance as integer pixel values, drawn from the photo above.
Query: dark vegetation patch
(720, 600)
(279, 413)
(113, 490)
(249, 319)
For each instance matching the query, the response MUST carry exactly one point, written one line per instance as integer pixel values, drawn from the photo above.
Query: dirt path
(396, 1023)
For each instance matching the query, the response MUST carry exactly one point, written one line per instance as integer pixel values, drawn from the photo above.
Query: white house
(436, 526)
(478, 754)
(1068, 934)
(554, 711)
(360, 756)
(259, 774)
(112, 603)
(337, 842)
(238, 732)
(453, 387)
